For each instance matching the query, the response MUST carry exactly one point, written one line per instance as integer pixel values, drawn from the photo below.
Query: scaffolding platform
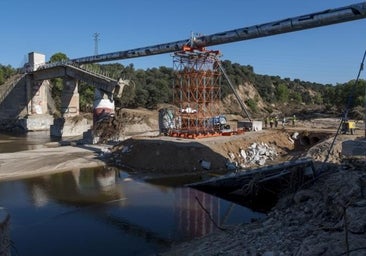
(196, 93)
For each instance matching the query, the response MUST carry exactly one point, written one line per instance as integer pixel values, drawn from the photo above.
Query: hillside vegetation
(263, 95)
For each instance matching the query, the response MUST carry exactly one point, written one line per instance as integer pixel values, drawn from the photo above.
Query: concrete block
(354, 148)
(250, 126)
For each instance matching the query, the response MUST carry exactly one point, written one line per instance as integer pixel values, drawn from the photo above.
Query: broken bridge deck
(294, 172)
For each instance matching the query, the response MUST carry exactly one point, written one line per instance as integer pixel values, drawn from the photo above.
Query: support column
(36, 90)
(70, 98)
(65, 126)
(37, 117)
(38, 103)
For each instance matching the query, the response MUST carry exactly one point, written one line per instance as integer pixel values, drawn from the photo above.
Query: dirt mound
(124, 123)
(170, 155)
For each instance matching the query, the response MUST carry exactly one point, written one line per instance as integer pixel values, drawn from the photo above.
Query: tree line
(154, 85)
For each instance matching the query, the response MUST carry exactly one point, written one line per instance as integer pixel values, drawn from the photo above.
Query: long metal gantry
(312, 20)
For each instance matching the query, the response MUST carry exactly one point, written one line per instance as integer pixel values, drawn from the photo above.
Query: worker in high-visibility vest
(271, 121)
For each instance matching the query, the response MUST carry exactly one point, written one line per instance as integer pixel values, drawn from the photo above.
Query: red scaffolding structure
(197, 92)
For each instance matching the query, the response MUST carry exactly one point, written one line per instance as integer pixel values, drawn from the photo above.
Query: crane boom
(312, 20)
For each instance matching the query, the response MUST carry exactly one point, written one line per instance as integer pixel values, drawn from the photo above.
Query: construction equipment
(241, 103)
(348, 127)
(307, 21)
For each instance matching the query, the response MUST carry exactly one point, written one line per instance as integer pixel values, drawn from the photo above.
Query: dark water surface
(17, 142)
(104, 211)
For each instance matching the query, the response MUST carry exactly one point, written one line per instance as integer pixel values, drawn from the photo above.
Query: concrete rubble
(256, 154)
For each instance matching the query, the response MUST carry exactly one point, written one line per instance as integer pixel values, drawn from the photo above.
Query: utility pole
(96, 40)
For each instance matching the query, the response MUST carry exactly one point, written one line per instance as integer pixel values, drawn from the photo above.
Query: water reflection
(198, 214)
(76, 187)
(104, 211)
(17, 142)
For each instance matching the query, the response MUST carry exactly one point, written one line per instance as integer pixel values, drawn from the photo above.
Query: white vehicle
(188, 110)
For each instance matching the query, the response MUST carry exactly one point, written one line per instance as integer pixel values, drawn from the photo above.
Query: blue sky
(330, 54)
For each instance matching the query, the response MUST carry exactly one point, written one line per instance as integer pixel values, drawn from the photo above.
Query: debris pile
(320, 151)
(123, 124)
(256, 154)
(108, 129)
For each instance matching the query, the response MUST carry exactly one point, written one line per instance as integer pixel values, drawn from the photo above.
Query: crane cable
(237, 96)
(348, 106)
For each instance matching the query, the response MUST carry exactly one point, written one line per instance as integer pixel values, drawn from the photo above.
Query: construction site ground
(170, 155)
(145, 153)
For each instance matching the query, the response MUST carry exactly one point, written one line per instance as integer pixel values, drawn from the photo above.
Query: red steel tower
(197, 91)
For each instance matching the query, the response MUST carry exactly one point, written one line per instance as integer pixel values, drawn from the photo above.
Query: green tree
(282, 93)
(57, 83)
(57, 57)
(265, 87)
(296, 96)
(252, 105)
(86, 93)
(6, 72)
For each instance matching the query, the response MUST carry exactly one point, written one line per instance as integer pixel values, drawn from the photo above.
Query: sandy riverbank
(48, 160)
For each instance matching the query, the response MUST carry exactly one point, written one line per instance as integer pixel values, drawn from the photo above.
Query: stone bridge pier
(37, 116)
(68, 125)
(70, 97)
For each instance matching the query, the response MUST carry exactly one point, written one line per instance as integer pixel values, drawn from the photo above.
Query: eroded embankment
(170, 155)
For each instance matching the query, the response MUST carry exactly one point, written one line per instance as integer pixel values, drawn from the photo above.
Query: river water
(105, 211)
